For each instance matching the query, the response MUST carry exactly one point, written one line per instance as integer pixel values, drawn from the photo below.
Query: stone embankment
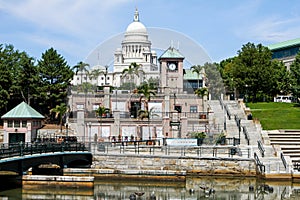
(165, 167)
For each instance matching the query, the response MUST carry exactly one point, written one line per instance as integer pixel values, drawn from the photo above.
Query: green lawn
(274, 116)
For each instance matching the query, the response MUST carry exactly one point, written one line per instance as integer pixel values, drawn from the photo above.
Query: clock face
(172, 66)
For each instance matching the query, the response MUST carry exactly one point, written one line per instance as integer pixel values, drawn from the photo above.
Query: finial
(136, 15)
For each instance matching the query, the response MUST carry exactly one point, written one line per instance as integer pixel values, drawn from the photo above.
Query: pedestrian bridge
(19, 158)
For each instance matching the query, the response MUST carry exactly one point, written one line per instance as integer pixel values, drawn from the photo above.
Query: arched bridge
(20, 157)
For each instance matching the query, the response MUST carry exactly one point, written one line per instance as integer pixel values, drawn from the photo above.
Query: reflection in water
(191, 189)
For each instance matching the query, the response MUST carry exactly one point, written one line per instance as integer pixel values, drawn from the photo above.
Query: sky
(76, 27)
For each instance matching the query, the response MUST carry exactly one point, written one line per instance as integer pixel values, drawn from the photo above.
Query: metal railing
(259, 164)
(261, 148)
(246, 135)
(283, 160)
(226, 151)
(21, 149)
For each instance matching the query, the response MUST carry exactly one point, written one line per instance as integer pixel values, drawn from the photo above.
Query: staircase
(233, 110)
(288, 141)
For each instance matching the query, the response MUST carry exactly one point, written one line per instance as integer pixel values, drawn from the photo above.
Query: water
(221, 189)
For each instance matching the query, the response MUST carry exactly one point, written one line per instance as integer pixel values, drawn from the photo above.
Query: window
(9, 123)
(80, 106)
(17, 123)
(24, 124)
(193, 109)
(95, 106)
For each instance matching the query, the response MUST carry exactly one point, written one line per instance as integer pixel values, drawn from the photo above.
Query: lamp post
(67, 127)
(90, 132)
(105, 74)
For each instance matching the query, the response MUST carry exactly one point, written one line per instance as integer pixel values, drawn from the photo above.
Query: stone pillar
(106, 100)
(116, 127)
(81, 125)
(183, 127)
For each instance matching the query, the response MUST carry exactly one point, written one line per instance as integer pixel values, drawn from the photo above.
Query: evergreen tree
(55, 76)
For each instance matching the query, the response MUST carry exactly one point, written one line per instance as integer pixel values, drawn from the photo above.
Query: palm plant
(81, 67)
(201, 92)
(146, 92)
(132, 70)
(60, 111)
(97, 72)
(99, 113)
(198, 69)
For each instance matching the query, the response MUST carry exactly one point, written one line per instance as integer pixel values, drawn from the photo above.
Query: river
(192, 189)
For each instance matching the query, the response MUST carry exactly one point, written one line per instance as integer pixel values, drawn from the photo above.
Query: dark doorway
(134, 109)
(16, 137)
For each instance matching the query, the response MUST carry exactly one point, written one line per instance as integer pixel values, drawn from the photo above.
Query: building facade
(173, 112)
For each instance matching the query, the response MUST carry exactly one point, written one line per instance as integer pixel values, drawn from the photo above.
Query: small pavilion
(21, 124)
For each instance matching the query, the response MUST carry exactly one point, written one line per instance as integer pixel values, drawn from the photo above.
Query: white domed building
(136, 48)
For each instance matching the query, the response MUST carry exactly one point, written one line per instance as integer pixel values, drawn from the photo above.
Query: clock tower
(171, 70)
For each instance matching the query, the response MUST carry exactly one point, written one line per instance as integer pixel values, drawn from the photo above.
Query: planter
(200, 141)
(202, 116)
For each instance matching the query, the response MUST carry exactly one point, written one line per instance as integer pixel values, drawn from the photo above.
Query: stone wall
(191, 165)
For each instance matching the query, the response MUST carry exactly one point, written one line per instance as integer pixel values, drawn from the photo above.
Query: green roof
(190, 75)
(171, 52)
(285, 44)
(23, 111)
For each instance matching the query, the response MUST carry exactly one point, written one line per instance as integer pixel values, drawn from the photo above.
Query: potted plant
(221, 138)
(199, 136)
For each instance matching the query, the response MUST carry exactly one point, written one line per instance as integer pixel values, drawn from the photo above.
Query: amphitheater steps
(289, 143)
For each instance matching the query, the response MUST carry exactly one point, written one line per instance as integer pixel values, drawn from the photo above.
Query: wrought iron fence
(21, 149)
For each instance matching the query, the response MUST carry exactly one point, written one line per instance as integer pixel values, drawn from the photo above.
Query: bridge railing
(21, 149)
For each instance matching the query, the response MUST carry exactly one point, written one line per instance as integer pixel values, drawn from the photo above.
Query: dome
(136, 26)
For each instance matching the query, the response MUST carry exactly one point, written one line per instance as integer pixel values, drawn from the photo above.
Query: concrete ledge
(165, 175)
(30, 181)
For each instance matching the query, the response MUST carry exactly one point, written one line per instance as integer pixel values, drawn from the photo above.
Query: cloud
(73, 17)
(272, 29)
(71, 26)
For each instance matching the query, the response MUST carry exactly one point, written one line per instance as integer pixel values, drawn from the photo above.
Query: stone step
(284, 137)
(285, 142)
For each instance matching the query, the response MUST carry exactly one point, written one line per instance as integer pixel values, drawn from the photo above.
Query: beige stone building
(175, 111)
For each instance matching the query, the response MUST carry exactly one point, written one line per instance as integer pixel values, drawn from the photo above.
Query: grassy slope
(274, 116)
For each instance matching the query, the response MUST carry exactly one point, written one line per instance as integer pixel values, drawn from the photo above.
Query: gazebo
(21, 124)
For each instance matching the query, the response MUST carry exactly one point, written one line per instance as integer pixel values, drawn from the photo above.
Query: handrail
(283, 160)
(246, 135)
(260, 165)
(238, 124)
(21, 149)
(261, 148)
(227, 112)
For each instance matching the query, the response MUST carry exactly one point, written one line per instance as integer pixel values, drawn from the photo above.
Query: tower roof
(23, 111)
(171, 52)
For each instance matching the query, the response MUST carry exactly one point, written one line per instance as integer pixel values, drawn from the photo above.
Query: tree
(55, 76)
(146, 91)
(253, 73)
(213, 80)
(99, 113)
(95, 73)
(295, 76)
(18, 78)
(60, 111)
(132, 70)
(198, 69)
(201, 92)
(81, 67)
(6, 74)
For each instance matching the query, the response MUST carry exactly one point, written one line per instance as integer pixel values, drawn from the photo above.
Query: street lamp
(67, 127)
(105, 74)
(90, 132)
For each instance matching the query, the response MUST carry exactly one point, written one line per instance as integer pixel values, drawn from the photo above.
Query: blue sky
(75, 27)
